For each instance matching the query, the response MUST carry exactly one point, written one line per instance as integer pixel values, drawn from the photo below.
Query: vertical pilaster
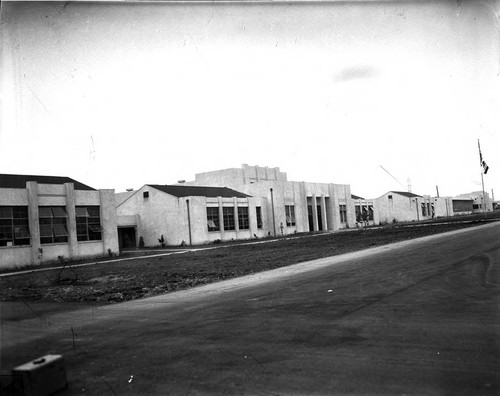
(252, 216)
(71, 223)
(315, 212)
(350, 210)
(34, 223)
(221, 218)
(304, 224)
(109, 221)
(236, 222)
(323, 212)
(336, 209)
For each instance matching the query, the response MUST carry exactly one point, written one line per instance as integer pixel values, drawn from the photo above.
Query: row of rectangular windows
(363, 213)
(213, 222)
(228, 219)
(14, 224)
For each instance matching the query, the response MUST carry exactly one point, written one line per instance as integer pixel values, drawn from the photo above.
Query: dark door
(126, 238)
(320, 220)
(311, 219)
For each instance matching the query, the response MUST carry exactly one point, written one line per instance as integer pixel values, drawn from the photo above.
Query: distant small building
(480, 203)
(43, 218)
(396, 206)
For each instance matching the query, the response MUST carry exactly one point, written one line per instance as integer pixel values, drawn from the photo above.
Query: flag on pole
(482, 163)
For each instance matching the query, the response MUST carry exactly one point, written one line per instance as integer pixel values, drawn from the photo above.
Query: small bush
(162, 241)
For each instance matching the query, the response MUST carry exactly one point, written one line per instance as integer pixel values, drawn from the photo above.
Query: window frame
(228, 218)
(53, 221)
(88, 223)
(243, 218)
(290, 216)
(14, 221)
(258, 217)
(214, 218)
(343, 213)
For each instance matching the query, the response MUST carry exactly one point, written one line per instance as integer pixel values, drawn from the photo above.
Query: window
(389, 196)
(213, 219)
(424, 212)
(358, 214)
(243, 222)
(258, 215)
(88, 223)
(370, 212)
(343, 213)
(145, 194)
(290, 215)
(53, 224)
(228, 215)
(14, 226)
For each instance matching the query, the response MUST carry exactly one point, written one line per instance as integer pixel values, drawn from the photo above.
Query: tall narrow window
(228, 215)
(370, 212)
(88, 223)
(359, 218)
(290, 215)
(14, 226)
(243, 221)
(343, 213)
(53, 224)
(258, 215)
(424, 211)
(213, 219)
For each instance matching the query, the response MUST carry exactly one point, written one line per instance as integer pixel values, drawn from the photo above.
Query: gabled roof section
(199, 191)
(406, 194)
(355, 197)
(19, 181)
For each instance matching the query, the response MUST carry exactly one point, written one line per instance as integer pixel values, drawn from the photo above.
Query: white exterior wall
(443, 206)
(399, 208)
(258, 181)
(165, 214)
(36, 195)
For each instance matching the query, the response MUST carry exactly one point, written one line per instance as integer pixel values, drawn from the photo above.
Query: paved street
(418, 317)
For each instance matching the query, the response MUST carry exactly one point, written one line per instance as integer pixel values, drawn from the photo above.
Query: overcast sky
(120, 95)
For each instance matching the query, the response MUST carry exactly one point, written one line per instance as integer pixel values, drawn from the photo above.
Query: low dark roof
(199, 191)
(406, 194)
(19, 181)
(355, 197)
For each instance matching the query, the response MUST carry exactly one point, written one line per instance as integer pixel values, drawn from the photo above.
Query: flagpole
(482, 178)
(484, 198)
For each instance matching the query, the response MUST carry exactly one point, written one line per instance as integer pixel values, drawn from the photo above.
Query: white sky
(120, 95)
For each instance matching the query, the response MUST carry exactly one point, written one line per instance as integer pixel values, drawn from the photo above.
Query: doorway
(127, 238)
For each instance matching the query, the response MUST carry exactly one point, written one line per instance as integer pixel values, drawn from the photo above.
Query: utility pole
(437, 191)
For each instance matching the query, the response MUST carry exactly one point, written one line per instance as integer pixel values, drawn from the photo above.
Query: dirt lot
(137, 278)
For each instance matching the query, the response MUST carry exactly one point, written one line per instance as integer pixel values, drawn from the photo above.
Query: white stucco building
(43, 218)
(189, 215)
(294, 206)
(205, 209)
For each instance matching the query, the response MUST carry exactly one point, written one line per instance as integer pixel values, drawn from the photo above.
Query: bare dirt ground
(137, 278)
(417, 318)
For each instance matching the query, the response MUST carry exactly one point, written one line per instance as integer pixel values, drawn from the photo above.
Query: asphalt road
(418, 317)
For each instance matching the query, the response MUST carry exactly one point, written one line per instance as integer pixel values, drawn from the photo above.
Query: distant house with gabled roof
(188, 214)
(46, 218)
(404, 206)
